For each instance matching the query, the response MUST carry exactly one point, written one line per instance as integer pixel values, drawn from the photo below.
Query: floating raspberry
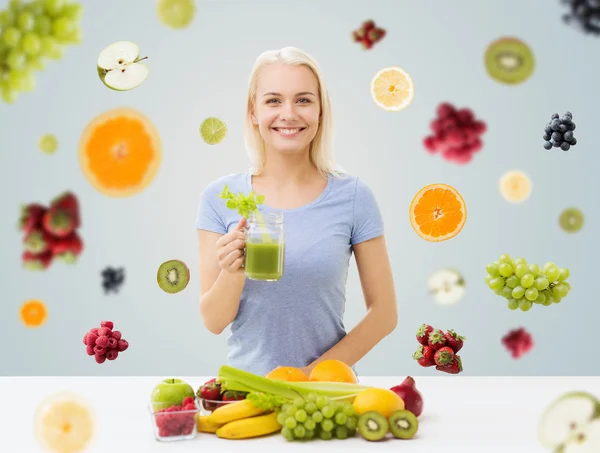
(123, 345)
(102, 342)
(94, 331)
(85, 339)
(456, 134)
(90, 350)
(112, 342)
(91, 339)
(116, 335)
(518, 342)
(99, 350)
(104, 331)
(108, 324)
(112, 354)
(100, 358)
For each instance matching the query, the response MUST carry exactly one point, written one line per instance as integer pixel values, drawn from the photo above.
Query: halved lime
(48, 144)
(213, 130)
(176, 13)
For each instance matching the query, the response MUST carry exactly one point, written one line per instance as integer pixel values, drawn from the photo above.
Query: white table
(462, 414)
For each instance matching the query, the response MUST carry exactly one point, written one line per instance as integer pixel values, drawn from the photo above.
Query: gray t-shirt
(295, 320)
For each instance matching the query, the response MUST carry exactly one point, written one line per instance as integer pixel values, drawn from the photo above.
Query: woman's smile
(288, 131)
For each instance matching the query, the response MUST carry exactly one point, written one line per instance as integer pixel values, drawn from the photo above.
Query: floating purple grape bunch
(558, 133)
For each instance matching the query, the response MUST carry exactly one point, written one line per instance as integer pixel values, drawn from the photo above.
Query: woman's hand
(230, 249)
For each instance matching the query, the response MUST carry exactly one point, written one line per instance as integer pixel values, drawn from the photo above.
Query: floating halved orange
(33, 313)
(120, 152)
(438, 212)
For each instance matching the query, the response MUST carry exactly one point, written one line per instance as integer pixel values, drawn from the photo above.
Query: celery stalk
(235, 379)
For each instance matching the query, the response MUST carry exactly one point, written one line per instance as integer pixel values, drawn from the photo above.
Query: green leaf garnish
(245, 204)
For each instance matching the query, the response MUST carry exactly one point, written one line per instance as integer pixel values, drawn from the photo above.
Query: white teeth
(287, 131)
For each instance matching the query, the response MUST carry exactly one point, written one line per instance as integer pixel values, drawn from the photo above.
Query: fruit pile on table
(327, 404)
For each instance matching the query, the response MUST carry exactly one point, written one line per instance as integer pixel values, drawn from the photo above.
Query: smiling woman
(296, 321)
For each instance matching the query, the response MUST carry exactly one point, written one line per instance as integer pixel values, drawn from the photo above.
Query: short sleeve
(208, 217)
(367, 219)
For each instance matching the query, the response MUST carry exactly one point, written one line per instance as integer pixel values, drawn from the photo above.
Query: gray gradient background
(202, 71)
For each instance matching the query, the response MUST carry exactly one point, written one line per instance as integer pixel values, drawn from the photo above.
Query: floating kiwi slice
(403, 424)
(373, 426)
(509, 60)
(571, 220)
(173, 276)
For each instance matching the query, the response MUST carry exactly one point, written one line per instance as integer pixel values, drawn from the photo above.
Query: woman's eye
(304, 99)
(269, 101)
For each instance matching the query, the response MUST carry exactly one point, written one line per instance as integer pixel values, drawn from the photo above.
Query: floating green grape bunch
(30, 34)
(524, 284)
(317, 418)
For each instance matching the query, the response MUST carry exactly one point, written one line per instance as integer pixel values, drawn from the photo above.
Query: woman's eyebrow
(303, 93)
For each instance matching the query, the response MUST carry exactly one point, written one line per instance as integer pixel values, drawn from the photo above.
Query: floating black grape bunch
(558, 133)
(584, 15)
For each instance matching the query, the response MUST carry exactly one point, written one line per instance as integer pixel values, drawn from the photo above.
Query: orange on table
(120, 152)
(332, 371)
(287, 373)
(438, 212)
(33, 313)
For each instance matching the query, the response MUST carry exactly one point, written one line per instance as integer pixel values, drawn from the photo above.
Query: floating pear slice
(447, 286)
(566, 417)
(120, 67)
(586, 440)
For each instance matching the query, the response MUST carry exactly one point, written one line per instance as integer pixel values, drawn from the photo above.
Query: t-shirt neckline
(299, 208)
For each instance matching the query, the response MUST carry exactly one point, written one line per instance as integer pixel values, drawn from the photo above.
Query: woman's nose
(288, 112)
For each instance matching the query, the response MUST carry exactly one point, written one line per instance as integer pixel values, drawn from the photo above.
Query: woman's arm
(220, 290)
(380, 298)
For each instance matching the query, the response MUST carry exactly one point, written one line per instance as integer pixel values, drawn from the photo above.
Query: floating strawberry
(423, 334)
(58, 222)
(37, 240)
(424, 356)
(209, 392)
(68, 248)
(233, 395)
(37, 261)
(31, 217)
(443, 356)
(454, 340)
(453, 367)
(436, 339)
(68, 202)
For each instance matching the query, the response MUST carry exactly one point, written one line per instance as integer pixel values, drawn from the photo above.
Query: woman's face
(287, 107)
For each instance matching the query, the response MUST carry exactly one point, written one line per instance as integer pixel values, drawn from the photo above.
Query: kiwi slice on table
(173, 276)
(373, 426)
(403, 424)
(509, 60)
(571, 220)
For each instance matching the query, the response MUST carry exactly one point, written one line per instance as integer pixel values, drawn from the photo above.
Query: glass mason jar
(264, 246)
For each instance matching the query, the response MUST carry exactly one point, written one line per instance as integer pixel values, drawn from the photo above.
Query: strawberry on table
(436, 339)
(453, 367)
(424, 356)
(209, 392)
(233, 395)
(423, 334)
(454, 340)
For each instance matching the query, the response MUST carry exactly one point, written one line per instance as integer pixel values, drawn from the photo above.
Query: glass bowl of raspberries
(175, 422)
(211, 396)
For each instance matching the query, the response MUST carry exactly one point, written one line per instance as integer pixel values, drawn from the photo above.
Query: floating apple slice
(64, 423)
(585, 441)
(447, 286)
(120, 67)
(565, 418)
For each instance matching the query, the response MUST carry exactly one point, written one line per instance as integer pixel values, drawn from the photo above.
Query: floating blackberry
(558, 132)
(112, 279)
(583, 15)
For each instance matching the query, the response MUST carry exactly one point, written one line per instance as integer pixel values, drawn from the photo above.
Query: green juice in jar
(264, 247)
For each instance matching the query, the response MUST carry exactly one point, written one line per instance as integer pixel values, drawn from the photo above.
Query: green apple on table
(170, 392)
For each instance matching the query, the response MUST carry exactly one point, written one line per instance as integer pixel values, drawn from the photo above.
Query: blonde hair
(321, 147)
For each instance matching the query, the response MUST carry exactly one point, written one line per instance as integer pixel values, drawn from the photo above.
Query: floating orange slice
(438, 212)
(33, 313)
(120, 152)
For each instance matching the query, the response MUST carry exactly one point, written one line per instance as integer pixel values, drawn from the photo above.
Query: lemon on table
(213, 130)
(64, 423)
(515, 186)
(392, 89)
(380, 400)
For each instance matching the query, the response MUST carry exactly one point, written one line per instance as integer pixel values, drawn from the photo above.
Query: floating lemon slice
(515, 186)
(392, 89)
(33, 313)
(213, 130)
(64, 423)
(438, 212)
(48, 144)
